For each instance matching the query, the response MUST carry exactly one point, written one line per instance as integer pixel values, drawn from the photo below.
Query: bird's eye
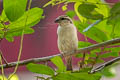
(62, 18)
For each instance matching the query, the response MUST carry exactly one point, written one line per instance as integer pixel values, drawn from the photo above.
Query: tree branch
(81, 50)
(102, 66)
(91, 25)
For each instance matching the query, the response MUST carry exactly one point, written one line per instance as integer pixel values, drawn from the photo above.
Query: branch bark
(81, 50)
(102, 66)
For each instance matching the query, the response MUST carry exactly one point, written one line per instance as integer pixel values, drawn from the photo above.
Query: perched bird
(67, 37)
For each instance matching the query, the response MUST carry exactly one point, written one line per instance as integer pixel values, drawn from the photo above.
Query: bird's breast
(67, 38)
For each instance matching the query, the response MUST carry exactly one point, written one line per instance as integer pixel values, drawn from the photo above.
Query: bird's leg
(82, 62)
(68, 60)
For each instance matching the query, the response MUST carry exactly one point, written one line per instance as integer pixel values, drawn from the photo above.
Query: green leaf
(92, 55)
(50, 2)
(116, 27)
(88, 11)
(14, 9)
(86, 76)
(40, 69)
(18, 32)
(115, 14)
(29, 31)
(96, 51)
(82, 44)
(77, 76)
(16, 28)
(70, 13)
(64, 7)
(94, 33)
(9, 38)
(79, 55)
(99, 60)
(1, 34)
(76, 7)
(3, 16)
(111, 54)
(59, 63)
(64, 76)
(114, 19)
(33, 17)
(85, 70)
(113, 49)
(109, 72)
(115, 9)
(3, 77)
(105, 28)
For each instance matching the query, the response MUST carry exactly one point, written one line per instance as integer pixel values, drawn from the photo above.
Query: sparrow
(67, 38)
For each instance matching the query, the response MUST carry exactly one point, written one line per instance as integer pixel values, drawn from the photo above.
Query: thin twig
(3, 57)
(108, 63)
(21, 43)
(91, 25)
(2, 69)
(81, 50)
(82, 62)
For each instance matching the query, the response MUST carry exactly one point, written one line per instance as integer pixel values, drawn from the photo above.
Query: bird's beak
(56, 20)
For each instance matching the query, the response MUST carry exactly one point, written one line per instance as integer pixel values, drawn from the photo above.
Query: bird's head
(63, 20)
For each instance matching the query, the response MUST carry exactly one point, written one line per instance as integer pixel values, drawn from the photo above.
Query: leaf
(113, 49)
(79, 55)
(9, 38)
(59, 63)
(64, 76)
(82, 44)
(77, 76)
(96, 50)
(105, 28)
(113, 19)
(115, 29)
(115, 9)
(92, 55)
(40, 69)
(16, 28)
(3, 77)
(48, 3)
(109, 72)
(99, 60)
(115, 14)
(3, 16)
(76, 7)
(94, 33)
(70, 13)
(86, 76)
(88, 11)
(29, 31)
(14, 77)
(64, 7)
(1, 34)
(14, 9)
(18, 32)
(85, 70)
(34, 16)
(111, 54)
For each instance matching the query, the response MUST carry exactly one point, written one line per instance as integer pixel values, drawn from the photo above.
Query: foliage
(61, 73)
(14, 77)
(15, 15)
(39, 68)
(16, 19)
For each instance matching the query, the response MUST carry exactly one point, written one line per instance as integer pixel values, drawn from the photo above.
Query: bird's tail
(68, 60)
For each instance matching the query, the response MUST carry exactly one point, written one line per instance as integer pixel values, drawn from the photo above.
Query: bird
(67, 38)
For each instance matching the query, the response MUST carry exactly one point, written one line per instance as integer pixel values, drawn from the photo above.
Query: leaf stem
(21, 43)
(2, 69)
